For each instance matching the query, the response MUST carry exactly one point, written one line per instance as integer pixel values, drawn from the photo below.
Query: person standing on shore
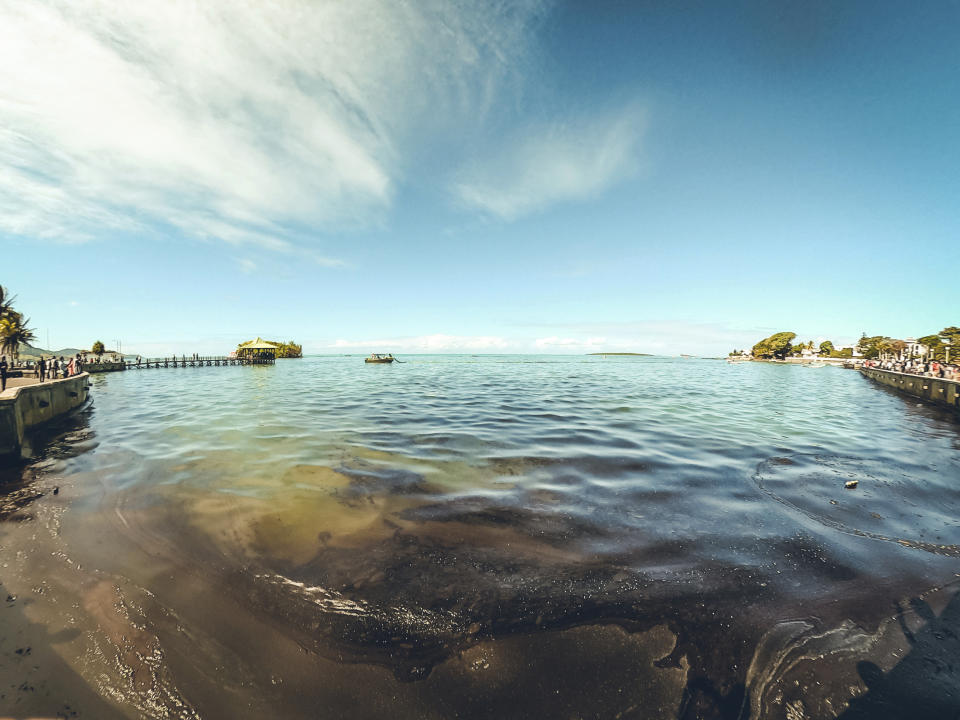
(3, 373)
(42, 369)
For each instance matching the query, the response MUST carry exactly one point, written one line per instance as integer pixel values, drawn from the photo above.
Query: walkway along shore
(935, 390)
(25, 407)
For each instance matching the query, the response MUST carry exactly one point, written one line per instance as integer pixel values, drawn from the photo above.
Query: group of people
(57, 367)
(926, 368)
(51, 367)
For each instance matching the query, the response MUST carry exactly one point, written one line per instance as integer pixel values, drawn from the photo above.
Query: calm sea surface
(482, 536)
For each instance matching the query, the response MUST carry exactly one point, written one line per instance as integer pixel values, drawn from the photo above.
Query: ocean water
(485, 536)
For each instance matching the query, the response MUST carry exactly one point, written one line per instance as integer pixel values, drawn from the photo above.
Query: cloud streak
(238, 121)
(555, 162)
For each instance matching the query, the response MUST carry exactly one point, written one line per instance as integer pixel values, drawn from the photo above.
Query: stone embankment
(24, 408)
(103, 367)
(935, 390)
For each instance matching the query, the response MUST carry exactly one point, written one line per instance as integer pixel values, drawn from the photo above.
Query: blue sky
(483, 177)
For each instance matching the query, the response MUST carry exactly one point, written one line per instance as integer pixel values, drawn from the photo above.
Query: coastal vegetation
(15, 329)
(98, 348)
(942, 346)
(776, 346)
(798, 350)
(289, 350)
(939, 344)
(877, 345)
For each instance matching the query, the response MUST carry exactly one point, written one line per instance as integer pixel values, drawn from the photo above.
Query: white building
(915, 349)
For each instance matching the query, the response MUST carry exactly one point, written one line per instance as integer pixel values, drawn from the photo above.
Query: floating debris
(851, 484)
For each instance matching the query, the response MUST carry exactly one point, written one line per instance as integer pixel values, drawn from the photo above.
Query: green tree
(876, 345)
(14, 328)
(289, 350)
(6, 301)
(14, 332)
(775, 346)
(952, 334)
(934, 345)
(826, 347)
(98, 348)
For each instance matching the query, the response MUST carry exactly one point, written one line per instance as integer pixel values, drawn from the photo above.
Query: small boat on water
(380, 358)
(815, 364)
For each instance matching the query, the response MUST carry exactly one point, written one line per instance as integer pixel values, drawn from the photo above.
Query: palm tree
(14, 332)
(6, 301)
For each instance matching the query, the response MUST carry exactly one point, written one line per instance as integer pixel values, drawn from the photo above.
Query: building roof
(258, 344)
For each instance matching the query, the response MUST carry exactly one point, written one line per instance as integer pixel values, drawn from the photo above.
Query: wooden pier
(196, 361)
(175, 362)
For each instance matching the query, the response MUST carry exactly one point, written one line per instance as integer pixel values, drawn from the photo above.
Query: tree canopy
(289, 350)
(949, 337)
(877, 345)
(951, 334)
(98, 348)
(775, 346)
(779, 346)
(15, 329)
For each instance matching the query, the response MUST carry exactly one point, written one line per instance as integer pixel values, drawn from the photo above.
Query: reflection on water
(474, 536)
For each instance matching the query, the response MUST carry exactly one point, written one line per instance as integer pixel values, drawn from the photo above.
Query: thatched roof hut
(258, 347)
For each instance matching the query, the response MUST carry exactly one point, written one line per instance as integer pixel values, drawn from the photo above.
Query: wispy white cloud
(551, 163)
(235, 120)
(247, 266)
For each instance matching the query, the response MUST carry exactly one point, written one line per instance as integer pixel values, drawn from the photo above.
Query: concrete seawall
(935, 390)
(24, 408)
(104, 367)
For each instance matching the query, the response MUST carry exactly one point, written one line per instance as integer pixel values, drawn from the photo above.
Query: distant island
(631, 354)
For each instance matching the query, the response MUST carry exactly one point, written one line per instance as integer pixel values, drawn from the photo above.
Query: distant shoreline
(633, 354)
